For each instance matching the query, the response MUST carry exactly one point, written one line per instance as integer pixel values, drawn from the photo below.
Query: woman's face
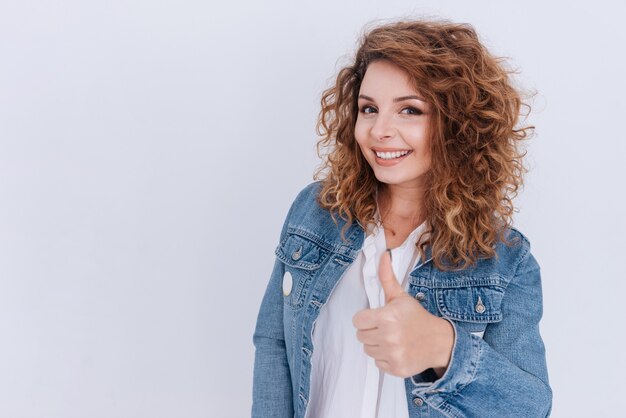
(392, 127)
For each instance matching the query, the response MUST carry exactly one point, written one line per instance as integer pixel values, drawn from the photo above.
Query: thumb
(387, 279)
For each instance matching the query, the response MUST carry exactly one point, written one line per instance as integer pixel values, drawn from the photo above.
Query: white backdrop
(149, 152)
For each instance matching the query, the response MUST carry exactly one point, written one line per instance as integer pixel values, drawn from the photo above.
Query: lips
(380, 149)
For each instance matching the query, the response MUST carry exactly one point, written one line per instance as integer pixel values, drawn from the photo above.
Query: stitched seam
(340, 249)
(305, 233)
(443, 408)
(524, 255)
(310, 236)
(464, 281)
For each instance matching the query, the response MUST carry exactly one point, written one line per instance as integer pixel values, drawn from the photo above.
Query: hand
(402, 337)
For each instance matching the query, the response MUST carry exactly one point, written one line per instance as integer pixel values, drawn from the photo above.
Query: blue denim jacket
(497, 368)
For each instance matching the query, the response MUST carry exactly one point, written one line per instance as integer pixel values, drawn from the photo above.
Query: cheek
(360, 138)
(421, 142)
(421, 148)
(427, 161)
(426, 158)
(359, 132)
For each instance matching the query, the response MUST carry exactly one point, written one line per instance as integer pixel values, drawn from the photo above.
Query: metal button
(418, 401)
(420, 296)
(297, 254)
(480, 308)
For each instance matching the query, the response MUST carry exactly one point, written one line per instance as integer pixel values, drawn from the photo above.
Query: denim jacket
(497, 368)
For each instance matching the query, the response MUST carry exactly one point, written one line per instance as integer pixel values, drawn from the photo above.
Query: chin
(398, 180)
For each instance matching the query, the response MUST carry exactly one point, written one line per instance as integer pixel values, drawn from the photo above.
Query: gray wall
(149, 152)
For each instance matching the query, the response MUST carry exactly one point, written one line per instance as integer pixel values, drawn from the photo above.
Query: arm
(505, 373)
(271, 393)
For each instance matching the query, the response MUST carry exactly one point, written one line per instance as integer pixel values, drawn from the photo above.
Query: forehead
(386, 77)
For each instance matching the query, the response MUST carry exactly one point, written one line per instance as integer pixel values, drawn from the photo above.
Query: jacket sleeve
(504, 374)
(271, 389)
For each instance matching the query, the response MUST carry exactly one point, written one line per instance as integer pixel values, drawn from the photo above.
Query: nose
(383, 127)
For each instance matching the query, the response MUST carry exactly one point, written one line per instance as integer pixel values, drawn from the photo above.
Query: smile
(391, 155)
(388, 159)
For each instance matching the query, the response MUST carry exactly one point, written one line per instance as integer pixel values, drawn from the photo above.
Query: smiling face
(392, 127)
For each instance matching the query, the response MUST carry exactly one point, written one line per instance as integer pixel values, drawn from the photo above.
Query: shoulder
(307, 218)
(305, 212)
(302, 203)
(307, 196)
(515, 257)
(512, 258)
(305, 203)
(524, 260)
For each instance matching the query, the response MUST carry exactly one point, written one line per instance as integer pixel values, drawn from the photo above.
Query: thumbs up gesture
(402, 337)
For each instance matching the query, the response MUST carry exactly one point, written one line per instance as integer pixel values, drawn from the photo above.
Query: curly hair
(476, 167)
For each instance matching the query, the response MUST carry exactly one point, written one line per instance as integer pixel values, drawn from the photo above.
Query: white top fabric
(345, 381)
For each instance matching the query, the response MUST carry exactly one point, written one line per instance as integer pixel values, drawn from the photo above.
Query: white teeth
(391, 155)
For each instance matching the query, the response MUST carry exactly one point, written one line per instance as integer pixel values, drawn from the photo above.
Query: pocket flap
(300, 252)
(471, 303)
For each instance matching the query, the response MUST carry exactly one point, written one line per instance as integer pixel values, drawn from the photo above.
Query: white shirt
(345, 381)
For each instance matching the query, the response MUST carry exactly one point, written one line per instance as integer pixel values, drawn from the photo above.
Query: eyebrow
(397, 99)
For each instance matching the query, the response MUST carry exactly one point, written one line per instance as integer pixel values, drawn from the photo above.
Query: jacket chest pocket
(472, 305)
(302, 257)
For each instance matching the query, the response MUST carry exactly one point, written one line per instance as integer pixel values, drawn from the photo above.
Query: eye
(367, 109)
(412, 111)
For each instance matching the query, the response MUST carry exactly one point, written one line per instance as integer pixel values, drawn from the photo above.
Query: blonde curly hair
(476, 167)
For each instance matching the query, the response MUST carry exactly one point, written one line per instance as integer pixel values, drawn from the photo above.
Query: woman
(400, 288)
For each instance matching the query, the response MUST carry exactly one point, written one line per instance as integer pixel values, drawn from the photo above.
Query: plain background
(149, 152)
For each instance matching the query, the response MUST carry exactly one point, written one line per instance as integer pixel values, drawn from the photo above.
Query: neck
(401, 203)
